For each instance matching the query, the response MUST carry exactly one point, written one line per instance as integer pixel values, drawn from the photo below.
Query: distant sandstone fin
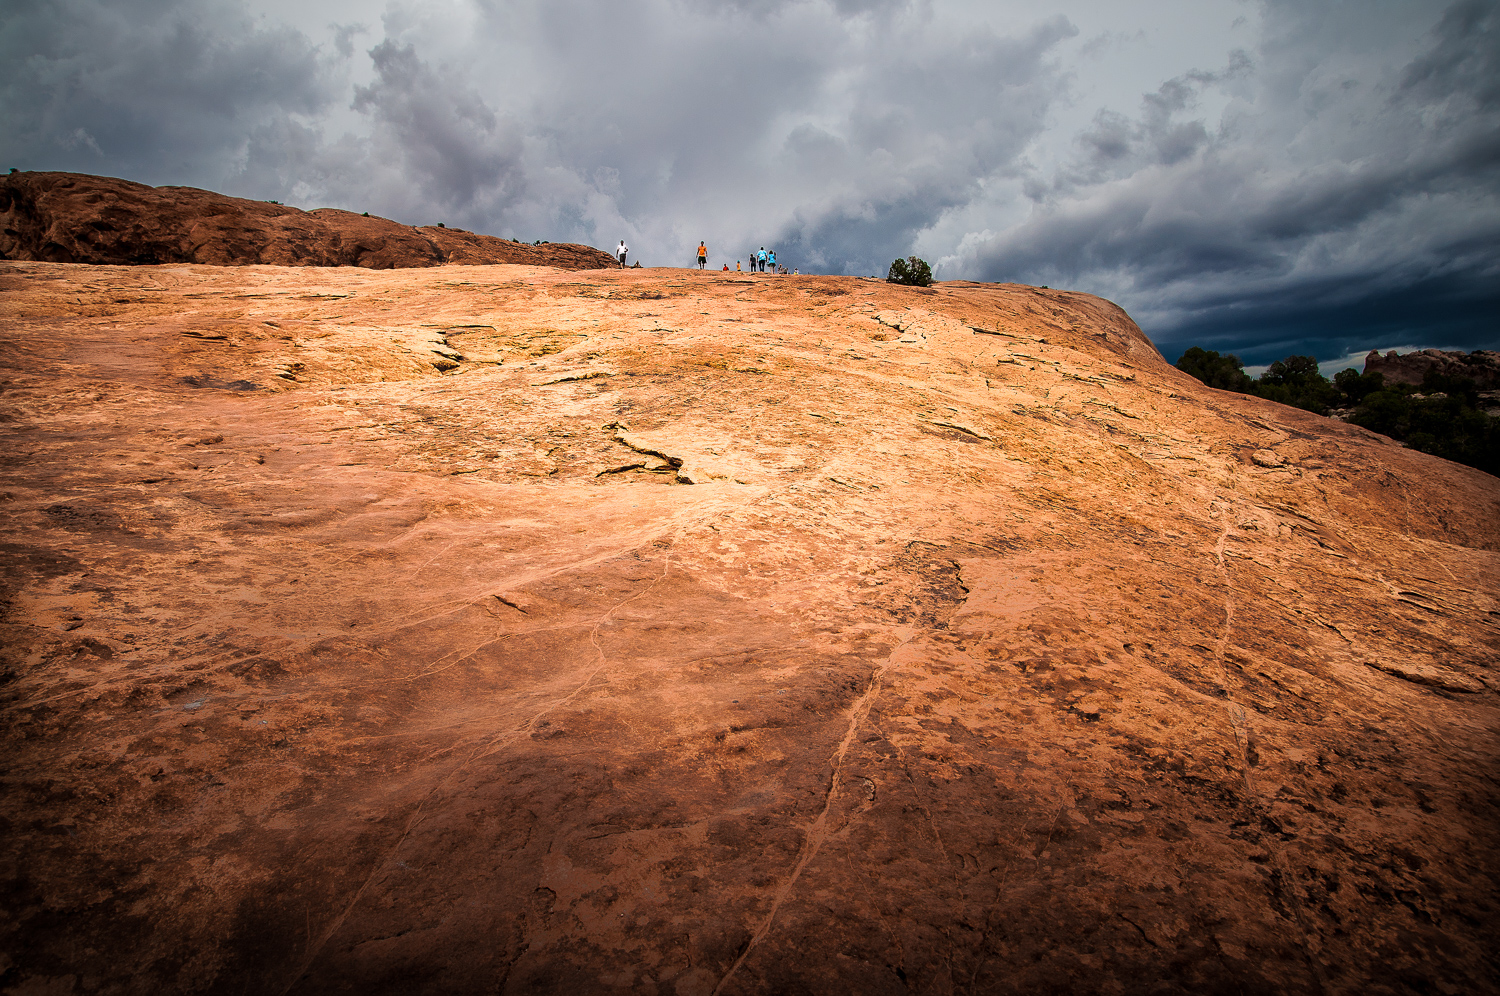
(78, 218)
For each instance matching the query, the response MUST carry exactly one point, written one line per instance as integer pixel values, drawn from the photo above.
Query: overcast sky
(1267, 178)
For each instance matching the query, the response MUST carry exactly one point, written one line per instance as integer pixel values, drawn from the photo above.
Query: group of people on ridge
(759, 260)
(762, 259)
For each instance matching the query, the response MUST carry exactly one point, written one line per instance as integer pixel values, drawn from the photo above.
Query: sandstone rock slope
(502, 629)
(76, 218)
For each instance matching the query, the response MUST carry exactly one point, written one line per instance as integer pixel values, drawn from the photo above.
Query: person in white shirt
(620, 252)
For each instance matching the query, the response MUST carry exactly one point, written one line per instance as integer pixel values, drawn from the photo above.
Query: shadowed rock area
(505, 629)
(1481, 366)
(76, 218)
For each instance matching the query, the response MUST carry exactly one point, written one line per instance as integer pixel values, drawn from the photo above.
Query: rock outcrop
(1481, 366)
(76, 218)
(502, 629)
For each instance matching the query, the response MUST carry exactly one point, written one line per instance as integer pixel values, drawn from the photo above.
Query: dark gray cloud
(920, 137)
(1312, 174)
(149, 89)
(839, 128)
(1117, 146)
(446, 138)
(1341, 203)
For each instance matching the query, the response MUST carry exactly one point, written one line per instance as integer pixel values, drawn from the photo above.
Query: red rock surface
(76, 218)
(508, 630)
(1481, 366)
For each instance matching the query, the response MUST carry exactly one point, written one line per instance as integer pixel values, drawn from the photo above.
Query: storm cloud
(148, 87)
(1346, 196)
(1265, 178)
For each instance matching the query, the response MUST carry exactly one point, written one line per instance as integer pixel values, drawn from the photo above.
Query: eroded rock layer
(77, 218)
(511, 630)
(1482, 366)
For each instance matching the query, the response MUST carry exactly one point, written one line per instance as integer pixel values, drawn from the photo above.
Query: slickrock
(77, 218)
(503, 629)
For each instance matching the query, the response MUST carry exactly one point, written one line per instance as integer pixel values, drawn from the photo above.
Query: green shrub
(1227, 373)
(1356, 386)
(1296, 381)
(911, 271)
(1442, 417)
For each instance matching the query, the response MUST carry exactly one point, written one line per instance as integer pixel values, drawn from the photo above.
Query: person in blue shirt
(760, 259)
(771, 260)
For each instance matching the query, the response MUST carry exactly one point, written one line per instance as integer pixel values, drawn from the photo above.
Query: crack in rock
(584, 375)
(671, 463)
(962, 428)
(1419, 674)
(422, 343)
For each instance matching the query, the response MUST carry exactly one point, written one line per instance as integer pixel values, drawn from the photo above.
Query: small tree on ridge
(911, 271)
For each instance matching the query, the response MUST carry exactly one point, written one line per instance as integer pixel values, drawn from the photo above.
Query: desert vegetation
(912, 271)
(1441, 416)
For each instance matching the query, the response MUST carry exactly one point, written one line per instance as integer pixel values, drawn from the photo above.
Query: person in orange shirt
(702, 254)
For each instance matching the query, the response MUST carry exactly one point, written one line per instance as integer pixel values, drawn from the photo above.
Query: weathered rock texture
(507, 630)
(76, 218)
(1481, 366)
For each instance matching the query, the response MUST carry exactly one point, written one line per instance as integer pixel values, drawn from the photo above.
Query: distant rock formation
(1482, 366)
(77, 218)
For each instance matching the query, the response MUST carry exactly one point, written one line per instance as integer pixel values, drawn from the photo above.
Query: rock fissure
(815, 833)
(668, 463)
(1240, 726)
(966, 430)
